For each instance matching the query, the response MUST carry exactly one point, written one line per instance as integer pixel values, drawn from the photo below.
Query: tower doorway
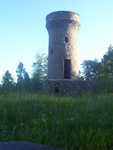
(67, 69)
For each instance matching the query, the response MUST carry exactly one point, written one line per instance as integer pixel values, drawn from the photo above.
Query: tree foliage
(23, 79)
(91, 69)
(100, 73)
(40, 69)
(7, 81)
(24, 82)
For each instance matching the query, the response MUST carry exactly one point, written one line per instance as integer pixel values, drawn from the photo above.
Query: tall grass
(84, 122)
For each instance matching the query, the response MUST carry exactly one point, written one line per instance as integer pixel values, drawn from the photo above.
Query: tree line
(24, 81)
(98, 73)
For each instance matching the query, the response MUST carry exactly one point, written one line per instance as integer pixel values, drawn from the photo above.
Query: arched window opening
(66, 39)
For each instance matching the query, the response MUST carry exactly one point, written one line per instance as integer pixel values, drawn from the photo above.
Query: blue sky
(23, 33)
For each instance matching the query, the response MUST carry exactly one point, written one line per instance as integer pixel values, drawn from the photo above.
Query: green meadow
(82, 122)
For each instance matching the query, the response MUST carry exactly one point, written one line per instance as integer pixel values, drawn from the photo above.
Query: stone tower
(62, 27)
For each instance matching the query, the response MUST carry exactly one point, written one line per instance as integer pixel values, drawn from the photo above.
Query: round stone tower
(62, 27)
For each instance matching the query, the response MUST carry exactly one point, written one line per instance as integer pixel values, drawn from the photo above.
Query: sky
(23, 33)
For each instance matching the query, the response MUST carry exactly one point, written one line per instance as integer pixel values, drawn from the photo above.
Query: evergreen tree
(27, 81)
(23, 79)
(7, 81)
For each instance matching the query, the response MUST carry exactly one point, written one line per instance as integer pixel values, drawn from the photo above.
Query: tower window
(66, 39)
(51, 51)
(67, 69)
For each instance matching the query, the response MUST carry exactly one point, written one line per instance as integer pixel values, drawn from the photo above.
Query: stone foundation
(66, 87)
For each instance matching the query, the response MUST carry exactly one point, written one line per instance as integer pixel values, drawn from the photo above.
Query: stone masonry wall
(66, 87)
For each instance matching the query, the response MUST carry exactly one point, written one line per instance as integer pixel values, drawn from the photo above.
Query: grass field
(82, 123)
